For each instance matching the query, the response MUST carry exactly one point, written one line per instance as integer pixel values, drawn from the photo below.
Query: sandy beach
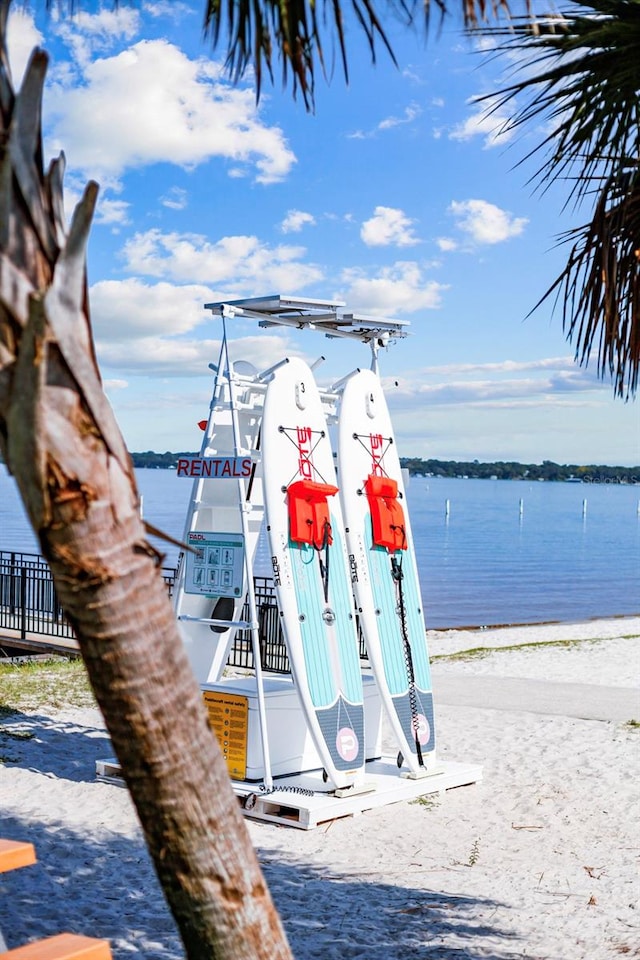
(540, 859)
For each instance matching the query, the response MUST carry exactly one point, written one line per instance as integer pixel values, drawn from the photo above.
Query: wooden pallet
(304, 801)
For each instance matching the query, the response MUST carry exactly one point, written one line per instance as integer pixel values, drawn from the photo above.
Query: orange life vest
(309, 520)
(387, 515)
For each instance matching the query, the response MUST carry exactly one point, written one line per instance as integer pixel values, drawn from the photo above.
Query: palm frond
(599, 288)
(257, 32)
(580, 76)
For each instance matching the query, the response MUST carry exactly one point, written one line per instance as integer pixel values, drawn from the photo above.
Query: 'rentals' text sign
(214, 468)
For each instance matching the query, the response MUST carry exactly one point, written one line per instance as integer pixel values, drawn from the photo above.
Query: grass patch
(479, 653)
(429, 802)
(632, 724)
(42, 684)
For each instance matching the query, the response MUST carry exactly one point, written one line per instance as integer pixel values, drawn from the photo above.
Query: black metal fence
(29, 605)
(28, 600)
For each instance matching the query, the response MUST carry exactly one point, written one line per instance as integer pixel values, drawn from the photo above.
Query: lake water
(487, 561)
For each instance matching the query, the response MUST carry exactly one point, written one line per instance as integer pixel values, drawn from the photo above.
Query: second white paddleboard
(310, 568)
(385, 575)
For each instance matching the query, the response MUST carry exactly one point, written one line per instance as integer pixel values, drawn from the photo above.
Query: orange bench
(16, 853)
(64, 946)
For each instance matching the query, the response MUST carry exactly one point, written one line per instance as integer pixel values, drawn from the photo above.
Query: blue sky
(397, 195)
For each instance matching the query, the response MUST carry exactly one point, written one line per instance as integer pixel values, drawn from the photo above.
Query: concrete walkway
(586, 701)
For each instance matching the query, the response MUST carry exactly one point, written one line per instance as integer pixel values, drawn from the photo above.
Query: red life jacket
(309, 520)
(387, 515)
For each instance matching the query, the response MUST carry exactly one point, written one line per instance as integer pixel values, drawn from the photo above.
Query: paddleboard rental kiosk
(343, 567)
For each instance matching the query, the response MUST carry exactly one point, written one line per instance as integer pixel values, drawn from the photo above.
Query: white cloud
(175, 199)
(564, 364)
(295, 220)
(87, 34)
(497, 385)
(484, 222)
(172, 9)
(447, 244)
(488, 121)
(112, 212)
(161, 357)
(400, 288)
(241, 262)
(124, 310)
(22, 37)
(152, 104)
(388, 226)
(411, 113)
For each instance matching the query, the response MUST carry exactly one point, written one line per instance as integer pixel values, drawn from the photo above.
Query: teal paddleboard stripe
(341, 601)
(417, 630)
(389, 629)
(315, 649)
(316, 635)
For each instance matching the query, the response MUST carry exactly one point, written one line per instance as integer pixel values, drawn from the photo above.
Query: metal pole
(244, 507)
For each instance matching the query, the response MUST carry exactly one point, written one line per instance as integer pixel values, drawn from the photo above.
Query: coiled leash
(398, 576)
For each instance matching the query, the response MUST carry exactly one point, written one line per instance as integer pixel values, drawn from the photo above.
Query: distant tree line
(510, 470)
(159, 461)
(474, 469)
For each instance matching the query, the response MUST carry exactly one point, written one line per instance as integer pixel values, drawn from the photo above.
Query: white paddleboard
(311, 578)
(385, 578)
(211, 582)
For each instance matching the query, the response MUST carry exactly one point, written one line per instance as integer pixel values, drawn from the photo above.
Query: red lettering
(226, 468)
(375, 439)
(246, 468)
(196, 468)
(304, 436)
(183, 468)
(305, 463)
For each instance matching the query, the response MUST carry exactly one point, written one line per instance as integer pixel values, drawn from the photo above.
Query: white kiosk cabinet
(233, 714)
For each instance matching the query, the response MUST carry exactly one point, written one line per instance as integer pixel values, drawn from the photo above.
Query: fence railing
(28, 600)
(29, 605)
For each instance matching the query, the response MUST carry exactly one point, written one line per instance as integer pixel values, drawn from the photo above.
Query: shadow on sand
(107, 887)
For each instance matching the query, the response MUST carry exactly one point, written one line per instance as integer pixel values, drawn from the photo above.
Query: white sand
(539, 860)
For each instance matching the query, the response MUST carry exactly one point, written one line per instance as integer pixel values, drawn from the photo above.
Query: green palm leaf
(256, 32)
(580, 74)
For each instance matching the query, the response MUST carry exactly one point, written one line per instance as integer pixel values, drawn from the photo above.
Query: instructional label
(215, 564)
(229, 720)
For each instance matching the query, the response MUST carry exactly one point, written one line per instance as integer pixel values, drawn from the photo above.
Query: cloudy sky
(398, 195)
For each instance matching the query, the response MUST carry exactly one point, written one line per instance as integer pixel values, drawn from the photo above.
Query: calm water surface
(489, 561)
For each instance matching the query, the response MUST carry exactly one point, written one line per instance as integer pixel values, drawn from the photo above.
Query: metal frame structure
(325, 316)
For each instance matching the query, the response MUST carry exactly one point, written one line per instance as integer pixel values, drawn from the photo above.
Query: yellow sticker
(229, 720)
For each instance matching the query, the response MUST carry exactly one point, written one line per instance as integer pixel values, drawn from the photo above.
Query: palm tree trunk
(62, 444)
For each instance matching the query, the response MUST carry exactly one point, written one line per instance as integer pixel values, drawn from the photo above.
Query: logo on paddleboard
(420, 726)
(304, 437)
(376, 443)
(347, 744)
